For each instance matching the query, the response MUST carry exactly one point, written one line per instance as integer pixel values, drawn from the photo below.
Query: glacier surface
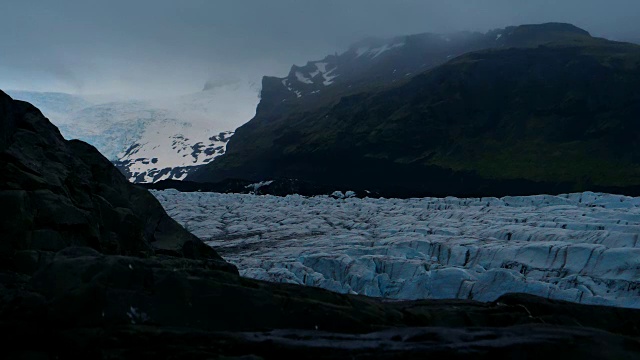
(579, 247)
(153, 139)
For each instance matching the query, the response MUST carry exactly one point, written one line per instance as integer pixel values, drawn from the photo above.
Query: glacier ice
(153, 139)
(579, 247)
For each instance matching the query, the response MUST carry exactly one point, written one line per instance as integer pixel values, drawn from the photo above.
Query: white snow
(328, 78)
(362, 50)
(377, 51)
(498, 36)
(302, 78)
(298, 93)
(321, 66)
(578, 247)
(322, 69)
(255, 187)
(169, 145)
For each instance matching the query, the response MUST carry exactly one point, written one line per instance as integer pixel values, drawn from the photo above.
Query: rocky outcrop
(57, 193)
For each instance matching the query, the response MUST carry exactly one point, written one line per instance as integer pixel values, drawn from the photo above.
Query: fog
(151, 48)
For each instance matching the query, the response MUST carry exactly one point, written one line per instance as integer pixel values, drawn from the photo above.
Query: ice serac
(465, 124)
(581, 247)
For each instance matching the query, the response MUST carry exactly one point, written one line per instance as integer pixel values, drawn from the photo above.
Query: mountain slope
(179, 155)
(375, 63)
(57, 193)
(500, 121)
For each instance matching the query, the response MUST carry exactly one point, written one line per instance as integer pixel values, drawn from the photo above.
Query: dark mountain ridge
(555, 107)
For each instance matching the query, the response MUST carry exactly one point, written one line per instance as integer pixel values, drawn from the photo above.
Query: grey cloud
(176, 46)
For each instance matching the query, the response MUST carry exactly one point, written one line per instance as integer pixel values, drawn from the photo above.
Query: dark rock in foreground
(92, 267)
(57, 193)
(84, 302)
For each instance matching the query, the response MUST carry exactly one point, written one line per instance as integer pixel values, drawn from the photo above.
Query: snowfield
(578, 247)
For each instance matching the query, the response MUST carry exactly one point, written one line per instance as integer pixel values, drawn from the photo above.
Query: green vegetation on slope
(566, 111)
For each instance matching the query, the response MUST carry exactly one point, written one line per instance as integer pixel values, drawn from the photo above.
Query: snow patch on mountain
(157, 139)
(309, 79)
(141, 162)
(377, 51)
(580, 247)
(321, 66)
(328, 78)
(303, 79)
(368, 61)
(386, 47)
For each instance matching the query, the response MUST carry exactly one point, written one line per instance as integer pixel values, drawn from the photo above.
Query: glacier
(153, 139)
(580, 247)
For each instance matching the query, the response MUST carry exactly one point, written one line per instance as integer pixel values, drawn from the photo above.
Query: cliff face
(57, 193)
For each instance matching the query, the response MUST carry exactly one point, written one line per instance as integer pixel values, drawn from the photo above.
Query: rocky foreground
(92, 267)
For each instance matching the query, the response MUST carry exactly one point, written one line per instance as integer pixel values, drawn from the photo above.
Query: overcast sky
(152, 47)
